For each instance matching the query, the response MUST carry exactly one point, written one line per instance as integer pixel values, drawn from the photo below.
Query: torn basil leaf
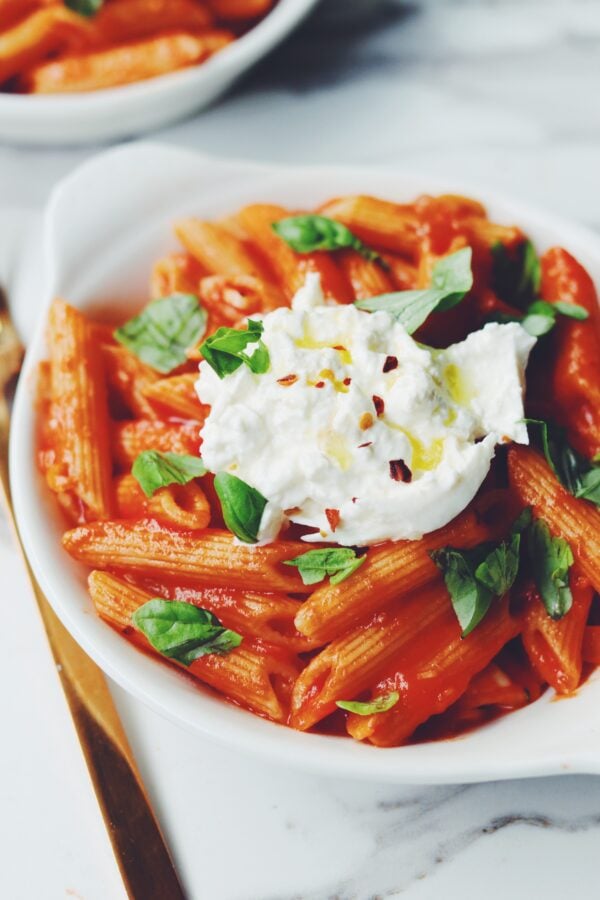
(242, 506)
(86, 8)
(451, 280)
(182, 631)
(540, 316)
(578, 475)
(315, 565)
(474, 577)
(153, 470)
(164, 331)
(305, 234)
(371, 707)
(550, 559)
(225, 350)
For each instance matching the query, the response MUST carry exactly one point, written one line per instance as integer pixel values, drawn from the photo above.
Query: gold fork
(138, 845)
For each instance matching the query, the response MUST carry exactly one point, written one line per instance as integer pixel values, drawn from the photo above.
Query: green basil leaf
(162, 333)
(474, 577)
(182, 631)
(470, 598)
(571, 310)
(225, 350)
(550, 558)
(576, 473)
(499, 569)
(338, 562)
(305, 234)
(538, 324)
(589, 486)
(242, 506)
(86, 8)
(378, 705)
(516, 276)
(153, 470)
(451, 280)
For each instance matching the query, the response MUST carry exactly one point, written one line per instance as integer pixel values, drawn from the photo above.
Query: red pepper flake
(347, 381)
(320, 384)
(333, 517)
(366, 444)
(391, 362)
(287, 380)
(378, 404)
(339, 347)
(399, 471)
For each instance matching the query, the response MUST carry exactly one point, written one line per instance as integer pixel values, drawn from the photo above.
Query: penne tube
(131, 19)
(555, 647)
(176, 396)
(493, 687)
(574, 383)
(433, 674)
(379, 223)
(126, 63)
(210, 558)
(178, 273)
(81, 469)
(230, 300)
(218, 251)
(128, 377)
(591, 645)
(35, 37)
(367, 278)
(129, 439)
(577, 521)
(291, 268)
(355, 662)
(179, 505)
(266, 616)
(256, 675)
(391, 570)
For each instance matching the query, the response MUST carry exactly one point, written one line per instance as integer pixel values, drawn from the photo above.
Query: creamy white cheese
(356, 417)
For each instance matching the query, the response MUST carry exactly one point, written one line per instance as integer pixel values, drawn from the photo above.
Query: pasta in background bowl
(98, 255)
(65, 78)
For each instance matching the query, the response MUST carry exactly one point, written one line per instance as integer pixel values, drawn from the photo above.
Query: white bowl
(126, 111)
(105, 224)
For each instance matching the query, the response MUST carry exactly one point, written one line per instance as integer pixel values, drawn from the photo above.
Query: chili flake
(399, 471)
(333, 517)
(391, 362)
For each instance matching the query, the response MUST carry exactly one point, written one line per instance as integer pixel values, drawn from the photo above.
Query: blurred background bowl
(126, 111)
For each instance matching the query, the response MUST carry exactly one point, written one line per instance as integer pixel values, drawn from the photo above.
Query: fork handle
(139, 847)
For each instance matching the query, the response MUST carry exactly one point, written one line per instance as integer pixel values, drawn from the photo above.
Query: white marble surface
(500, 91)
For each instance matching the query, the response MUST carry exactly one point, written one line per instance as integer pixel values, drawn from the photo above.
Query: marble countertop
(500, 91)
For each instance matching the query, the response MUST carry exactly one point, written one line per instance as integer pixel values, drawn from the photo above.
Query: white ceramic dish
(127, 111)
(104, 226)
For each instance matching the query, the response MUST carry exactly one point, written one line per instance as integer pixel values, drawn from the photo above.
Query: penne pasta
(217, 250)
(127, 20)
(575, 377)
(128, 378)
(555, 647)
(129, 439)
(179, 505)
(435, 671)
(35, 37)
(211, 558)
(390, 571)
(126, 63)
(266, 616)
(176, 396)
(81, 468)
(256, 675)
(178, 273)
(577, 521)
(367, 278)
(291, 268)
(352, 664)
(379, 223)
